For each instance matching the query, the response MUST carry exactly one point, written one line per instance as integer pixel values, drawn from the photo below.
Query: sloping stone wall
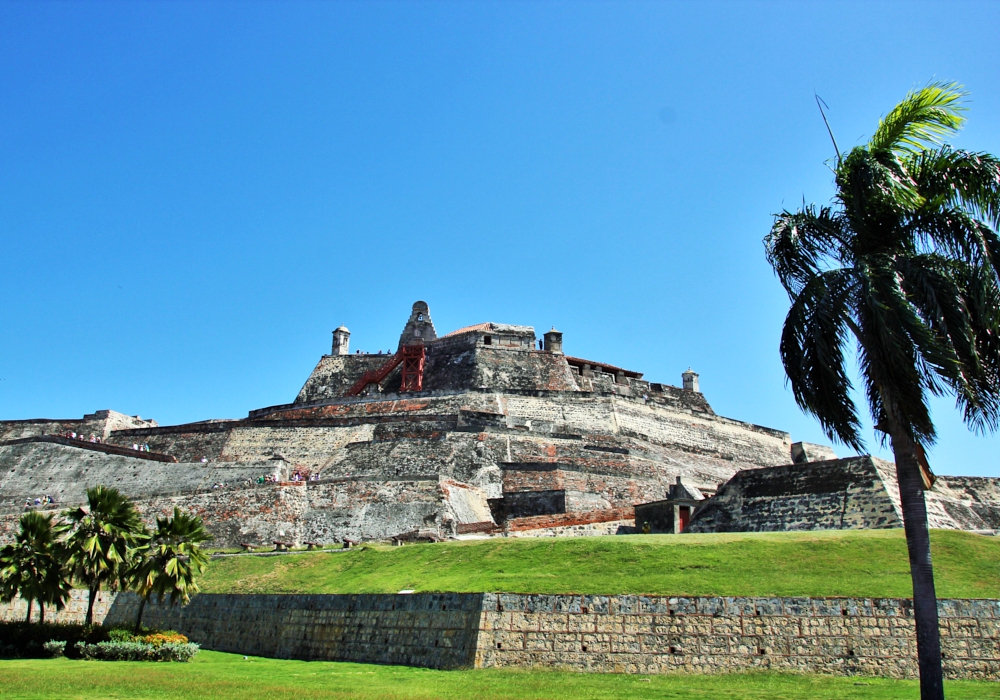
(833, 495)
(434, 630)
(620, 634)
(842, 494)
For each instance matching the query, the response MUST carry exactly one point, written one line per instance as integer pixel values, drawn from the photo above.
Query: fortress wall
(726, 439)
(75, 611)
(954, 503)
(293, 512)
(519, 369)
(99, 424)
(308, 447)
(583, 491)
(188, 443)
(298, 512)
(37, 469)
(672, 397)
(335, 374)
(971, 502)
(645, 634)
(433, 630)
(609, 634)
(831, 495)
(565, 414)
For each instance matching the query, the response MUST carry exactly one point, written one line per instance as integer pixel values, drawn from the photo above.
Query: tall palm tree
(102, 535)
(169, 561)
(34, 566)
(902, 269)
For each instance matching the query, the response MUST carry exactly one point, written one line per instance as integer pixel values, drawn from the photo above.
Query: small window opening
(499, 645)
(487, 340)
(585, 647)
(420, 317)
(673, 650)
(760, 650)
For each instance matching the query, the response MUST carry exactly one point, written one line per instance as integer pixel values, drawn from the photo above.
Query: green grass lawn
(227, 676)
(865, 563)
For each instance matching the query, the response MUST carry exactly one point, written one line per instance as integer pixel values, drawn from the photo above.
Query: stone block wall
(434, 630)
(74, 612)
(619, 634)
(831, 495)
(851, 493)
(644, 634)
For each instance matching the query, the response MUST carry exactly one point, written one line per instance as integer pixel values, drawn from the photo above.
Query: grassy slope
(838, 563)
(229, 677)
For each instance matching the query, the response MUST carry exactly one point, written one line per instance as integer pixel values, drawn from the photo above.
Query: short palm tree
(34, 566)
(168, 561)
(903, 270)
(102, 536)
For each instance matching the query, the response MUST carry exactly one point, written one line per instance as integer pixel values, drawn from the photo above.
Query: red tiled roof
(469, 329)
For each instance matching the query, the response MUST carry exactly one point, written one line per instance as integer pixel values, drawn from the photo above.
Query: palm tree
(100, 542)
(169, 561)
(34, 566)
(902, 268)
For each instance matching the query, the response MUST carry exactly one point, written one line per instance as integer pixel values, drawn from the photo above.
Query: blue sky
(193, 195)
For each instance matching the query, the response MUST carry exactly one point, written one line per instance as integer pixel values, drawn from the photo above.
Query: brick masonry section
(611, 634)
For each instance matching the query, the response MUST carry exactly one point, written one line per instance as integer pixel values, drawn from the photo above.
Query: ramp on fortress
(503, 435)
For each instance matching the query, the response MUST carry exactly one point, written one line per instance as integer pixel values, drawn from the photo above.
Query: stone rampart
(852, 493)
(99, 424)
(75, 611)
(620, 634)
(434, 630)
(831, 495)
(644, 634)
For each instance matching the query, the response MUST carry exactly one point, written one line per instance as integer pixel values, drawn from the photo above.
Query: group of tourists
(144, 447)
(299, 476)
(43, 501)
(80, 436)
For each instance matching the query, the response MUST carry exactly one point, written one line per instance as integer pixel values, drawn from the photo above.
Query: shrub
(54, 649)
(137, 651)
(168, 637)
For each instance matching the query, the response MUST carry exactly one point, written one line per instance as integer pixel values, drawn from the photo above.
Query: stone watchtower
(553, 341)
(341, 341)
(690, 379)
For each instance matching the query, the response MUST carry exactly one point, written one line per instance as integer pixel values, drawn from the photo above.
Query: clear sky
(193, 195)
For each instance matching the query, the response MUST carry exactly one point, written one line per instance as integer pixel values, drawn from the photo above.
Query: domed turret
(341, 341)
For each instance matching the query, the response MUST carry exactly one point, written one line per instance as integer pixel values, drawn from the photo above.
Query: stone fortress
(484, 431)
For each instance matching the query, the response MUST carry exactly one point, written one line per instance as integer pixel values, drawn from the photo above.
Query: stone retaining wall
(75, 611)
(642, 634)
(434, 630)
(620, 634)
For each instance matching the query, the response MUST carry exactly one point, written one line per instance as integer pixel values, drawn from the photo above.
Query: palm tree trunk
(138, 618)
(28, 618)
(90, 606)
(918, 543)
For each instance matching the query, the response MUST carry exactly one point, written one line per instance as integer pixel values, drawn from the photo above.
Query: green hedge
(137, 651)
